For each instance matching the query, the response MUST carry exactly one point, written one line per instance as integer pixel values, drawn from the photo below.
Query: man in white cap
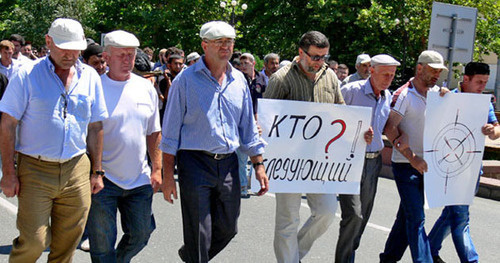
(362, 69)
(405, 129)
(59, 106)
(192, 58)
(356, 209)
(130, 133)
(209, 115)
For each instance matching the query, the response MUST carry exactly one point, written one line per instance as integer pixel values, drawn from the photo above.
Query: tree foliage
(399, 28)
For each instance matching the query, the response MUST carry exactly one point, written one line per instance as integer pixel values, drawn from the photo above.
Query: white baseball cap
(68, 34)
(216, 30)
(120, 39)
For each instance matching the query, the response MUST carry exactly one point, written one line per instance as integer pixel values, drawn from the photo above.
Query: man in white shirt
(8, 65)
(131, 131)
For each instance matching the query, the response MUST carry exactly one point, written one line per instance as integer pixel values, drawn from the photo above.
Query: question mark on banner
(342, 123)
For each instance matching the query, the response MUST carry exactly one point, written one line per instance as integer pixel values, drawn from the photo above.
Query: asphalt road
(254, 242)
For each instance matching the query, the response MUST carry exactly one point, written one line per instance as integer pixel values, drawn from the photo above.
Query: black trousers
(210, 201)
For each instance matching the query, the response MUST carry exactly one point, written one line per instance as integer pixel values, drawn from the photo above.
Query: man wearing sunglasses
(307, 78)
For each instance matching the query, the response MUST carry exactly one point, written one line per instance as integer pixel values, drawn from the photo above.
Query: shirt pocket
(80, 107)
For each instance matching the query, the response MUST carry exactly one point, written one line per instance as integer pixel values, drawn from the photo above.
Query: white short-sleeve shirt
(411, 106)
(133, 114)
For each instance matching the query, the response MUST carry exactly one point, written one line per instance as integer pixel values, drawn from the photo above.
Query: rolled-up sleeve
(252, 143)
(173, 118)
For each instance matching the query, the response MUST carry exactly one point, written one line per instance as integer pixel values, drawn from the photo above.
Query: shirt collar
(78, 65)
(201, 66)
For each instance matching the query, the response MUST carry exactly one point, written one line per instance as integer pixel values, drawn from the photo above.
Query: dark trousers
(356, 211)
(210, 201)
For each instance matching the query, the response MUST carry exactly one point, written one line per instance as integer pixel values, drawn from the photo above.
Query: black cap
(92, 50)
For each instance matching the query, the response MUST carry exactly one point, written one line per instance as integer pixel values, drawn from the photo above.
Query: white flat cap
(120, 38)
(67, 34)
(216, 30)
(248, 56)
(362, 59)
(192, 56)
(384, 60)
(432, 58)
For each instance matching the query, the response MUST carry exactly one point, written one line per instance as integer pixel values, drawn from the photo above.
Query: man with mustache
(307, 78)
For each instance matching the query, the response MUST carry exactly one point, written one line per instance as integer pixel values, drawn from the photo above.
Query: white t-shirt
(133, 114)
(411, 106)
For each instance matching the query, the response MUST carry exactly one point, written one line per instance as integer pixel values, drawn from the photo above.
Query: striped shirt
(291, 83)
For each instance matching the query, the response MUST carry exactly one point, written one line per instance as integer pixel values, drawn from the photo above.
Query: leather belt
(217, 156)
(47, 159)
(372, 155)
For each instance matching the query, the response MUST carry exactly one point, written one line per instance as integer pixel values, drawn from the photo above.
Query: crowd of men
(82, 138)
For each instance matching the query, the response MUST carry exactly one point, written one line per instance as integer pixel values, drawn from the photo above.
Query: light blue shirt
(52, 122)
(360, 93)
(203, 115)
(11, 69)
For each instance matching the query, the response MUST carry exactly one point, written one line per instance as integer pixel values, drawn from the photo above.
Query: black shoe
(181, 254)
(437, 259)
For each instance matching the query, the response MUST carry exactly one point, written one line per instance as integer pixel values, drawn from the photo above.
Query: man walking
(209, 115)
(307, 78)
(58, 104)
(356, 209)
(455, 218)
(131, 131)
(405, 129)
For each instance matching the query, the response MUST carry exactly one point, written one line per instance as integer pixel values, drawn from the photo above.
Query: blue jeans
(408, 229)
(455, 220)
(136, 218)
(242, 167)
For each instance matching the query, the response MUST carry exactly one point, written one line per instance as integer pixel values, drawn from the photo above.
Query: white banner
(313, 147)
(453, 146)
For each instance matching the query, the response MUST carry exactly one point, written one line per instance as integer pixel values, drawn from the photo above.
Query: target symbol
(453, 149)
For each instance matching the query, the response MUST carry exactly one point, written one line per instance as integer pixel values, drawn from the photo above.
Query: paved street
(254, 242)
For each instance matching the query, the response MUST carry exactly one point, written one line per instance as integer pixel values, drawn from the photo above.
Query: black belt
(217, 156)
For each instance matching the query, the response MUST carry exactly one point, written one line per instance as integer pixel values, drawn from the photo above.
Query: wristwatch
(257, 164)
(97, 173)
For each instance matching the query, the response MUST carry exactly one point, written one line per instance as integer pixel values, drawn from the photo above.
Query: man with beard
(405, 129)
(307, 78)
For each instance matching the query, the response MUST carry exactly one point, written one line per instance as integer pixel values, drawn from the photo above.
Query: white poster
(313, 147)
(453, 146)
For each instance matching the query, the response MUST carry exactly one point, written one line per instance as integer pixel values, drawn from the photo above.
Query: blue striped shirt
(360, 93)
(203, 115)
(53, 123)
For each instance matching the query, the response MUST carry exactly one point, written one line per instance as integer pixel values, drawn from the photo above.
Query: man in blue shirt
(356, 209)
(455, 218)
(208, 116)
(56, 102)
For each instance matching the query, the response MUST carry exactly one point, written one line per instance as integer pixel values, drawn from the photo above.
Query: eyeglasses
(317, 58)
(220, 42)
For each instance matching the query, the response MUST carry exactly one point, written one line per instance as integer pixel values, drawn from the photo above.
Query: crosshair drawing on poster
(454, 149)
